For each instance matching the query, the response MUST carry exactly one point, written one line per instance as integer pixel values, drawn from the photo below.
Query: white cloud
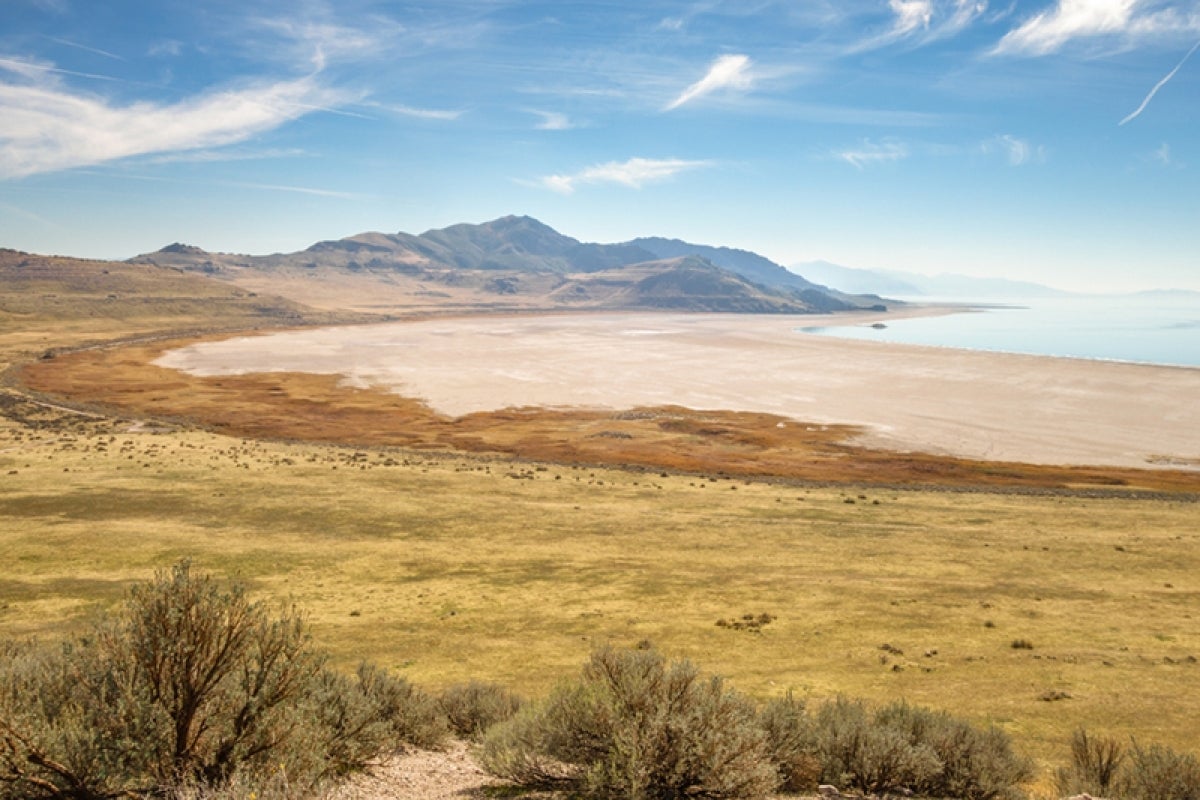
(224, 155)
(38, 70)
(871, 153)
(167, 47)
(965, 12)
(321, 41)
(274, 187)
(911, 14)
(447, 115)
(45, 127)
(84, 47)
(553, 121)
(1016, 151)
(925, 21)
(1051, 30)
(1137, 111)
(727, 72)
(633, 173)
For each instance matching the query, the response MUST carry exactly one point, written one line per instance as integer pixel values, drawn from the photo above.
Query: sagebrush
(634, 726)
(191, 684)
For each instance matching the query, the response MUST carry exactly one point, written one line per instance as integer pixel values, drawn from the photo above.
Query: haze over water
(1150, 329)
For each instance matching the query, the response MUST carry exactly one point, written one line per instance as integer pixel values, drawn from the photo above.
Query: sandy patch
(963, 403)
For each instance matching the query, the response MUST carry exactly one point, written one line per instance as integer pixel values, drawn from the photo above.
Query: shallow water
(1160, 329)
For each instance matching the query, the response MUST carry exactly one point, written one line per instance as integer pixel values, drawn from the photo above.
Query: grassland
(452, 565)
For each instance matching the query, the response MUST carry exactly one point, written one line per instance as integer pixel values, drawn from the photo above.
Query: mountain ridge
(521, 261)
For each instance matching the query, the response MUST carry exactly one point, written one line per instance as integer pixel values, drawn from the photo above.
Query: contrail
(1159, 85)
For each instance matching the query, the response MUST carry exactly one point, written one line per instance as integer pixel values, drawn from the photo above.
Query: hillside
(515, 263)
(54, 301)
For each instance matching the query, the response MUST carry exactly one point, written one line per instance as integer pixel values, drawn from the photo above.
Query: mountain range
(517, 262)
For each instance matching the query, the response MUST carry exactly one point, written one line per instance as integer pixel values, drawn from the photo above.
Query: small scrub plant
(1021, 644)
(472, 708)
(190, 685)
(975, 763)
(1157, 772)
(752, 623)
(634, 726)
(1095, 764)
(894, 749)
(1102, 766)
(791, 743)
(854, 752)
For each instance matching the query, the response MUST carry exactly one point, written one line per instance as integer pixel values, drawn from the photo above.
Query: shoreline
(911, 398)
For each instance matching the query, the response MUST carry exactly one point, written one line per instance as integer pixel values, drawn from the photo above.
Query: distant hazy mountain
(1169, 294)
(912, 284)
(517, 258)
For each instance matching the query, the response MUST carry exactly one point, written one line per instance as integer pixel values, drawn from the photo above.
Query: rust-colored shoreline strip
(318, 408)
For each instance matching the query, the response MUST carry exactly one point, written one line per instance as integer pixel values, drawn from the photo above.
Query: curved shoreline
(909, 398)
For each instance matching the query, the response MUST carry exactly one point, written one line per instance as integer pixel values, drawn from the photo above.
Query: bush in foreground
(471, 708)
(1095, 764)
(192, 685)
(896, 748)
(635, 727)
(1103, 766)
(1157, 772)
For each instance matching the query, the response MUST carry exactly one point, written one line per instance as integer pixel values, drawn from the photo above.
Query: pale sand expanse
(964, 403)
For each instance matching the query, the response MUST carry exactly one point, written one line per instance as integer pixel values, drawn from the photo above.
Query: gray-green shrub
(1157, 772)
(471, 708)
(791, 743)
(857, 752)
(190, 684)
(896, 748)
(975, 763)
(635, 727)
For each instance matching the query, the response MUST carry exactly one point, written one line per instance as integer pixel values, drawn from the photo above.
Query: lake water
(1150, 329)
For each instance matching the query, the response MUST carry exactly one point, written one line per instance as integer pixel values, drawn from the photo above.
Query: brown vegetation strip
(296, 406)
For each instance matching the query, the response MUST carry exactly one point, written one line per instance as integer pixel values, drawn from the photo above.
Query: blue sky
(1047, 140)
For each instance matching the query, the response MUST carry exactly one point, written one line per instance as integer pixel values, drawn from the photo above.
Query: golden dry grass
(451, 566)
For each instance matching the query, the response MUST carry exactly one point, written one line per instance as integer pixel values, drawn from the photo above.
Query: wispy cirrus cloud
(274, 187)
(46, 127)
(727, 72)
(39, 70)
(1016, 151)
(911, 14)
(634, 173)
(1145, 102)
(1162, 155)
(924, 21)
(552, 121)
(222, 155)
(442, 114)
(870, 153)
(1051, 30)
(86, 48)
(322, 40)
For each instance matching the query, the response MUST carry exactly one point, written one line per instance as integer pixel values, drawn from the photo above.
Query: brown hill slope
(53, 301)
(512, 263)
